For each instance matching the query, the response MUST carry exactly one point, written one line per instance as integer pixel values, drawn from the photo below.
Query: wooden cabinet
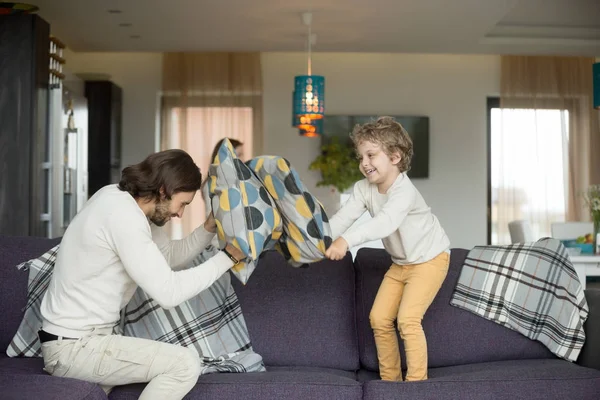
(104, 134)
(24, 143)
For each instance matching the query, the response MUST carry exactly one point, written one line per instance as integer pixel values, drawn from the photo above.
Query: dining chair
(520, 231)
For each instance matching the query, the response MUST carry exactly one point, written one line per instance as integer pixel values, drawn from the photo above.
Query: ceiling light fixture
(309, 93)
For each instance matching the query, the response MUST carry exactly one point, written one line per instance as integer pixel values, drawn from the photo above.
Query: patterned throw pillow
(211, 323)
(305, 224)
(244, 211)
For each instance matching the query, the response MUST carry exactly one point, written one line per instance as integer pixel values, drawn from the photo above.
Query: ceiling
(561, 27)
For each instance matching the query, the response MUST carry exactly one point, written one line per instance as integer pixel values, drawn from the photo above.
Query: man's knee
(190, 364)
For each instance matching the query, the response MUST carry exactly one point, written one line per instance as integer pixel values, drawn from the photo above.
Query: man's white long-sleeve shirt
(110, 249)
(411, 234)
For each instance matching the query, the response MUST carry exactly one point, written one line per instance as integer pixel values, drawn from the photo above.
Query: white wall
(140, 77)
(450, 89)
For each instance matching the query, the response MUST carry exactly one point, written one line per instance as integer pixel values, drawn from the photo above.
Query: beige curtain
(547, 82)
(206, 97)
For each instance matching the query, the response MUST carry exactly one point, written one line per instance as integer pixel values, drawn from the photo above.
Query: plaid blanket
(212, 322)
(531, 288)
(25, 343)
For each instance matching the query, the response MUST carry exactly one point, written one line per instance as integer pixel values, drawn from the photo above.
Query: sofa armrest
(590, 353)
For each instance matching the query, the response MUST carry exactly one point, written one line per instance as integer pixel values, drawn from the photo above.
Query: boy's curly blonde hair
(390, 135)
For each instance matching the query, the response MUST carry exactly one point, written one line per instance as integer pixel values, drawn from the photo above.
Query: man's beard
(161, 214)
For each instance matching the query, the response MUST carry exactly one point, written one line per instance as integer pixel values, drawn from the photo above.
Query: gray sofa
(311, 327)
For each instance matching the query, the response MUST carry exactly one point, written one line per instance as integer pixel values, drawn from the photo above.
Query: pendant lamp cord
(309, 49)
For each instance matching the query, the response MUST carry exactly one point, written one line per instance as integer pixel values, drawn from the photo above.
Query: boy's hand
(337, 250)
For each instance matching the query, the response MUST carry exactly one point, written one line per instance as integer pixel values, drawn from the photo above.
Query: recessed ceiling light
(135, 36)
(125, 24)
(114, 11)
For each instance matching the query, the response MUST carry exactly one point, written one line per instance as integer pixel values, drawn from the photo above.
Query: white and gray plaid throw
(26, 343)
(212, 322)
(531, 288)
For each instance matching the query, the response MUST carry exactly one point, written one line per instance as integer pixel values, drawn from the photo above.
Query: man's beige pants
(404, 295)
(111, 360)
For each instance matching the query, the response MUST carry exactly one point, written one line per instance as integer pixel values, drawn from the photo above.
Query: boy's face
(378, 167)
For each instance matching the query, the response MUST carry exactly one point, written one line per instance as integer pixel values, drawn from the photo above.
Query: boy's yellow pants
(404, 295)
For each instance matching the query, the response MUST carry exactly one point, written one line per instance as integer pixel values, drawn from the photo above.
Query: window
(202, 129)
(527, 160)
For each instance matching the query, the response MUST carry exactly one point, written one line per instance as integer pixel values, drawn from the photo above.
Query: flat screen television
(340, 126)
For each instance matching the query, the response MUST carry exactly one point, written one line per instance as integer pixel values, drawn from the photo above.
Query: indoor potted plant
(338, 165)
(592, 199)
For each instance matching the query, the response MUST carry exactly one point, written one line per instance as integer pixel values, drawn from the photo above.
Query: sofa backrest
(296, 316)
(454, 336)
(301, 316)
(13, 282)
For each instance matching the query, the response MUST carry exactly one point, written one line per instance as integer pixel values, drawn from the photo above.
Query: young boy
(411, 234)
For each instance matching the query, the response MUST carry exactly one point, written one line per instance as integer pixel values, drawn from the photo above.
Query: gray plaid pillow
(26, 343)
(211, 323)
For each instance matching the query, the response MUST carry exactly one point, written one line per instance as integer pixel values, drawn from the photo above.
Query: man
(111, 247)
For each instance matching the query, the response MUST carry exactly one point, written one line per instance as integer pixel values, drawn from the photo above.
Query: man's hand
(337, 250)
(210, 224)
(234, 251)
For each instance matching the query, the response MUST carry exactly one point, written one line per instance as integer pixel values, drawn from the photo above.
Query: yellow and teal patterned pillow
(306, 231)
(244, 211)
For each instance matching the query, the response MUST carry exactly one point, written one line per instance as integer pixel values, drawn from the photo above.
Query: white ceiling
(564, 27)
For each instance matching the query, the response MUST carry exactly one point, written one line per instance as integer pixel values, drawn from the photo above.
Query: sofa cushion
(523, 379)
(454, 336)
(13, 282)
(46, 387)
(306, 231)
(590, 353)
(531, 288)
(244, 211)
(301, 316)
(338, 372)
(274, 384)
(21, 365)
